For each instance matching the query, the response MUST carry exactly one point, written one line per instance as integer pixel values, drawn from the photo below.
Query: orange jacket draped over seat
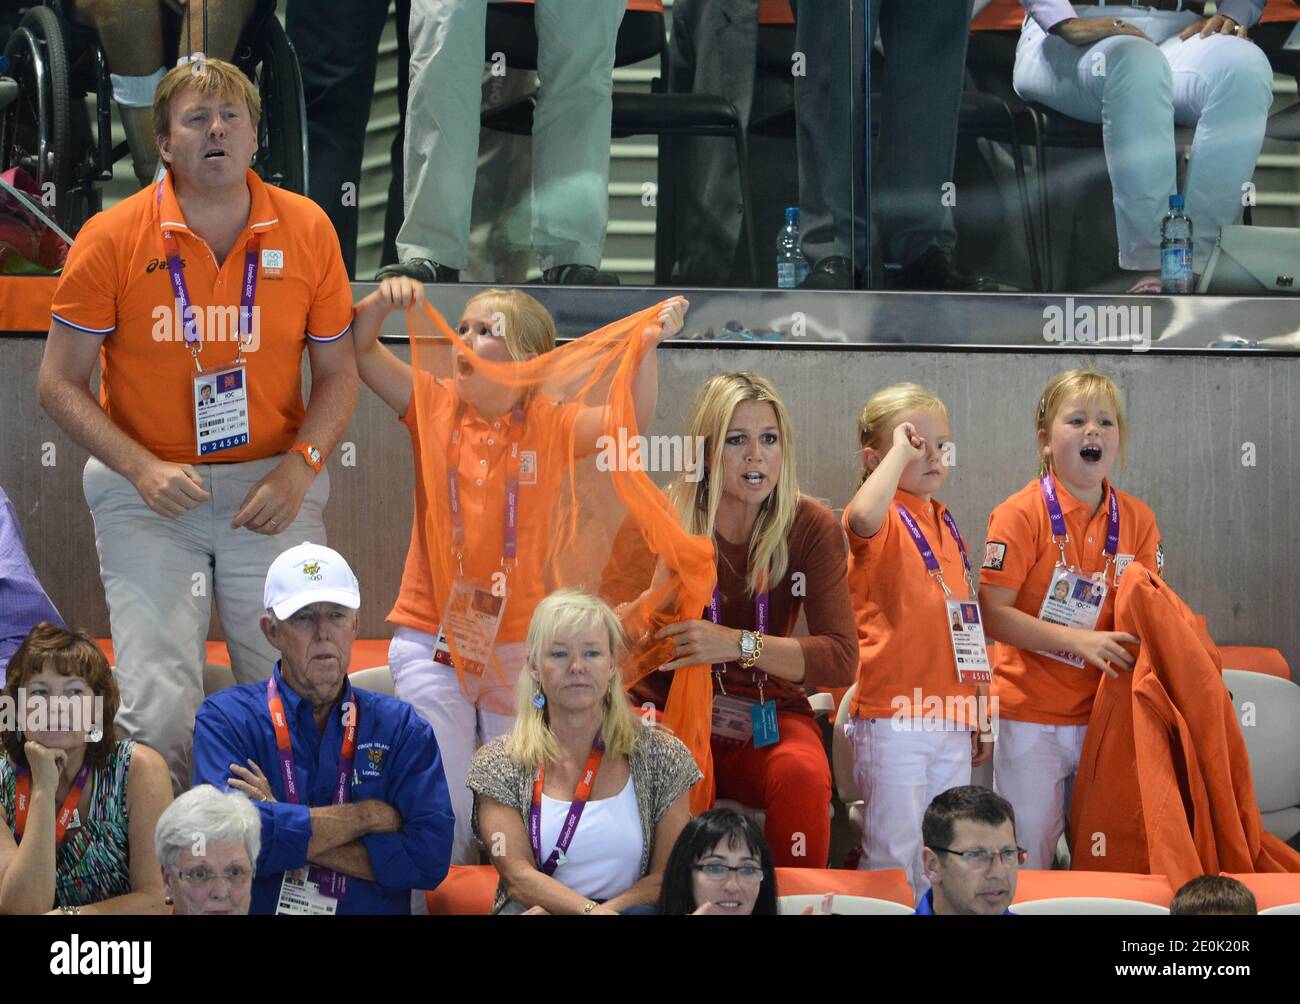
(1164, 783)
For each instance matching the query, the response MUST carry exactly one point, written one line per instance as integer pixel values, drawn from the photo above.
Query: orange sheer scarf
(608, 516)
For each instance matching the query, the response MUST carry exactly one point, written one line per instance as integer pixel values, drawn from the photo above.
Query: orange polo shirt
(1019, 554)
(116, 286)
(484, 446)
(903, 639)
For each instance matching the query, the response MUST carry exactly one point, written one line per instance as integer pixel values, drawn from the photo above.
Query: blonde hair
(209, 76)
(884, 407)
(566, 612)
(697, 502)
(529, 329)
(1087, 385)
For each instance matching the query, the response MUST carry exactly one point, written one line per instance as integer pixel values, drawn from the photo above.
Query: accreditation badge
(1073, 601)
(221, 409)
(300, 896)
(733, 718)
(473, 618)
(966, 631)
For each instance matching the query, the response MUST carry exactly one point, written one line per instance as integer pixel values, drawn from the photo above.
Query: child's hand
(671, 317)
(400, 291)
(911, 442)
(1105, 650)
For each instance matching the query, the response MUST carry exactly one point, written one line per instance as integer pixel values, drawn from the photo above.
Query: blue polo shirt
(926, 906)
(397, 761)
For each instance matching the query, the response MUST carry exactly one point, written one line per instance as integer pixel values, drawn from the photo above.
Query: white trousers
(1137, 91)
(1034, 767)
(460, 723)
(160, 576)
(571, 136)
(898, 774)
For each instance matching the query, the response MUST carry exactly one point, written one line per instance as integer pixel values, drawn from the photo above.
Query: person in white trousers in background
(571, 130)
(1139, 71)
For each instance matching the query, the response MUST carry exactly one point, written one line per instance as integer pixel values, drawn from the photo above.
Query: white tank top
(604, 857)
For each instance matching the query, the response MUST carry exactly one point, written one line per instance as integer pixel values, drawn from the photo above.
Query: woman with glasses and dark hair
(78, 806)
(720, 865)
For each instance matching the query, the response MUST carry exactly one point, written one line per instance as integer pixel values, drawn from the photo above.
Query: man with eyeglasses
(350, 786)
(970, 855)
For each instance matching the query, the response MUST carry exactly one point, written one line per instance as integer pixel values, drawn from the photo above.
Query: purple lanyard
(1059, 533)
(511, 545)
(181, 290)
(927, 554)
(580, 798)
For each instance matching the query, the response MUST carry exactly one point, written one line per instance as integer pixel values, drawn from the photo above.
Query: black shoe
(578, 275)
(835, 272)
(421, 269)
(934, 270)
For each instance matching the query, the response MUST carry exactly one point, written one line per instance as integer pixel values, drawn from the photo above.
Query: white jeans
(898, 773)
(460, 723)
(1034, 767)
(160, 576)
(575, 56)
(1222, 85)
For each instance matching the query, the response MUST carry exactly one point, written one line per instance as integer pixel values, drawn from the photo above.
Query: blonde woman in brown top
(779, 552)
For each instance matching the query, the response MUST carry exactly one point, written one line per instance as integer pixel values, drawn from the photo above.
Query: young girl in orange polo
(916, 713)
(499, 326)
(1068, 525)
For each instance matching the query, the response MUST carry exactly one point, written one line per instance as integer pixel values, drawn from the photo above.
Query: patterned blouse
(94, 863)
(662, 771)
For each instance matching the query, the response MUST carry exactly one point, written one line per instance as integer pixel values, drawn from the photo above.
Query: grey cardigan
(661, 766)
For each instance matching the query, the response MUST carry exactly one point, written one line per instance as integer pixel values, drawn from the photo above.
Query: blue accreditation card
(764, 719)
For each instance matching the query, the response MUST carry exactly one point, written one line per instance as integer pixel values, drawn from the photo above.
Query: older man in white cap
(350, 785)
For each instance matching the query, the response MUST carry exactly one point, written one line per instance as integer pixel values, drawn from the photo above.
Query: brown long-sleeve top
(816, 582)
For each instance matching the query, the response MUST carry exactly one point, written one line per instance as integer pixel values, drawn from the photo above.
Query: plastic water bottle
(791, 265)
(1176, 249)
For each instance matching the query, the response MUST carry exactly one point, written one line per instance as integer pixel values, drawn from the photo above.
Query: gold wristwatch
(751, 648)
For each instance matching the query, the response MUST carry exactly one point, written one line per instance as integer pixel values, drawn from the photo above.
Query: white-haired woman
(207, 843)
(779, 553)
(580, 804)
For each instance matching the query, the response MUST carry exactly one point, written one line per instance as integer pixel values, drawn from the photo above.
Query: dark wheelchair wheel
(36, 130)
(269, 60)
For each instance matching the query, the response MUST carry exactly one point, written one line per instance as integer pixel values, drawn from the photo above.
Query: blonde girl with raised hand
(919, 715)
(501, 326)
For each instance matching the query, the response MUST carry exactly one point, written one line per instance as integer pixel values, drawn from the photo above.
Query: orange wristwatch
(311, 455)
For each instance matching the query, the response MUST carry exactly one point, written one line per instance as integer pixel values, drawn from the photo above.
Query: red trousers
(790, 781)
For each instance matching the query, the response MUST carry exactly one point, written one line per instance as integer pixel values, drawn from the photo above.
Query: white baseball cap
(309, 573)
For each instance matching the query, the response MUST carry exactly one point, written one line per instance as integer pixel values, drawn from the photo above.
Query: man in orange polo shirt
(198, 296)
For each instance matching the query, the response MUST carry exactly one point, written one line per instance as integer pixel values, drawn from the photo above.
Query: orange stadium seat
(1271, 888)
(1034, 884)
(366, 653)
(1254, 659)
(468, 889)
